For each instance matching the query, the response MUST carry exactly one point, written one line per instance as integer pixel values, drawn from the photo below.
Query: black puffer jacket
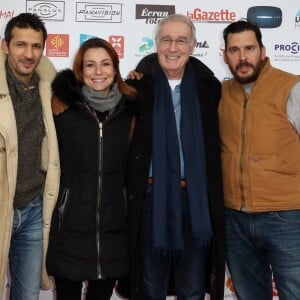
(88, 238)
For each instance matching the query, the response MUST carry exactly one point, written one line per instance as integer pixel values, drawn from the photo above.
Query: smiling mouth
(172, 57)
(99, 80)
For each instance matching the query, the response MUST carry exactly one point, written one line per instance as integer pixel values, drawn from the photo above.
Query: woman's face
(98, 70)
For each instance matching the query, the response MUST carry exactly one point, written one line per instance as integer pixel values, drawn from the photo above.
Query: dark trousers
(72, 290)
(189, 270)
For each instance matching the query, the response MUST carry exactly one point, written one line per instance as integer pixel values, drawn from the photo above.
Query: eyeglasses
(167, 42)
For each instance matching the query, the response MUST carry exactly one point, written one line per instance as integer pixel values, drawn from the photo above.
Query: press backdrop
(129, 26)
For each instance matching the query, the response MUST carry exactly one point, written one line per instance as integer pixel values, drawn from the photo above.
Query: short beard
(251, 78)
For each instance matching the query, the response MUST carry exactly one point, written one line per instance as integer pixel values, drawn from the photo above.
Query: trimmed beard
(251, 78)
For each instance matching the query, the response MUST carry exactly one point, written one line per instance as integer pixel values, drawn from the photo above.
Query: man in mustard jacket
(29, 163)
(259, 127)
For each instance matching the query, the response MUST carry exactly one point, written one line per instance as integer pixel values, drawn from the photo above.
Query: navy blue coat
(209, 94)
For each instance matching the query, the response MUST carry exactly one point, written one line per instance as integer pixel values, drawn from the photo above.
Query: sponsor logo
(293, 48)
(85, 37)
(221, 16)
(99, 12)
(153, 13)
(203, 44)
(6, 14)
(146, 46)
(287, 52)
(201, 49)
(47, 10)
(57, 45)
(297, 20)
(265, 16)
(117, 41)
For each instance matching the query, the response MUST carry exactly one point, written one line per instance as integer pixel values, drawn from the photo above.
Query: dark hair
(124, 88)
(240, 26)
(25, 20)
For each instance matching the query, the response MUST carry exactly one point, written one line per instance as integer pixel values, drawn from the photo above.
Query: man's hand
(135, 75)
(58, 106)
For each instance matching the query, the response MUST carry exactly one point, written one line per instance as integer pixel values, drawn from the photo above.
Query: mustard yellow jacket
(260, 147)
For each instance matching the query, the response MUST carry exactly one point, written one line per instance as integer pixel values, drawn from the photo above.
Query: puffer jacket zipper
(99, 193)
(99, 188)
(99, 185)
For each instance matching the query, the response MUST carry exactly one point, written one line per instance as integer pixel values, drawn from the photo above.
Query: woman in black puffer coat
(93, 111)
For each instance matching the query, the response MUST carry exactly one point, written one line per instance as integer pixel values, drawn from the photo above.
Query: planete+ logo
(265, 16)
(47, 10)
(203, 16)
(153, 13)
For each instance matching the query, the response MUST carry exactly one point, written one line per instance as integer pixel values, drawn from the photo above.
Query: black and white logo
(99, 12)
(47, 10)
(153, 13)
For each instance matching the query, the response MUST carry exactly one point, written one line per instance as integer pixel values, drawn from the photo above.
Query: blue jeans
(188, 271)
(259, 244)
(26, 251)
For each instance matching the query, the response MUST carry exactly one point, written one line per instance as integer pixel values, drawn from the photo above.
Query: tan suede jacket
(260, 147)
(9, 159)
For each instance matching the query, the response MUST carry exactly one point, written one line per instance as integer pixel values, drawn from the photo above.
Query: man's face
(244, 57)
(174, 46)
(24, 52)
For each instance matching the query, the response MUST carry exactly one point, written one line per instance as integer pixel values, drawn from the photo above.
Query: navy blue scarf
(167, 206)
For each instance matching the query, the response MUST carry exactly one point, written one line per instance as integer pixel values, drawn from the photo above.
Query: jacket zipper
(99, 193)
(242, 157)
(99, 188)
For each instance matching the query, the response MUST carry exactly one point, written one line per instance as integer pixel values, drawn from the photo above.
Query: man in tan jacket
(29, 163)
(259, 117)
